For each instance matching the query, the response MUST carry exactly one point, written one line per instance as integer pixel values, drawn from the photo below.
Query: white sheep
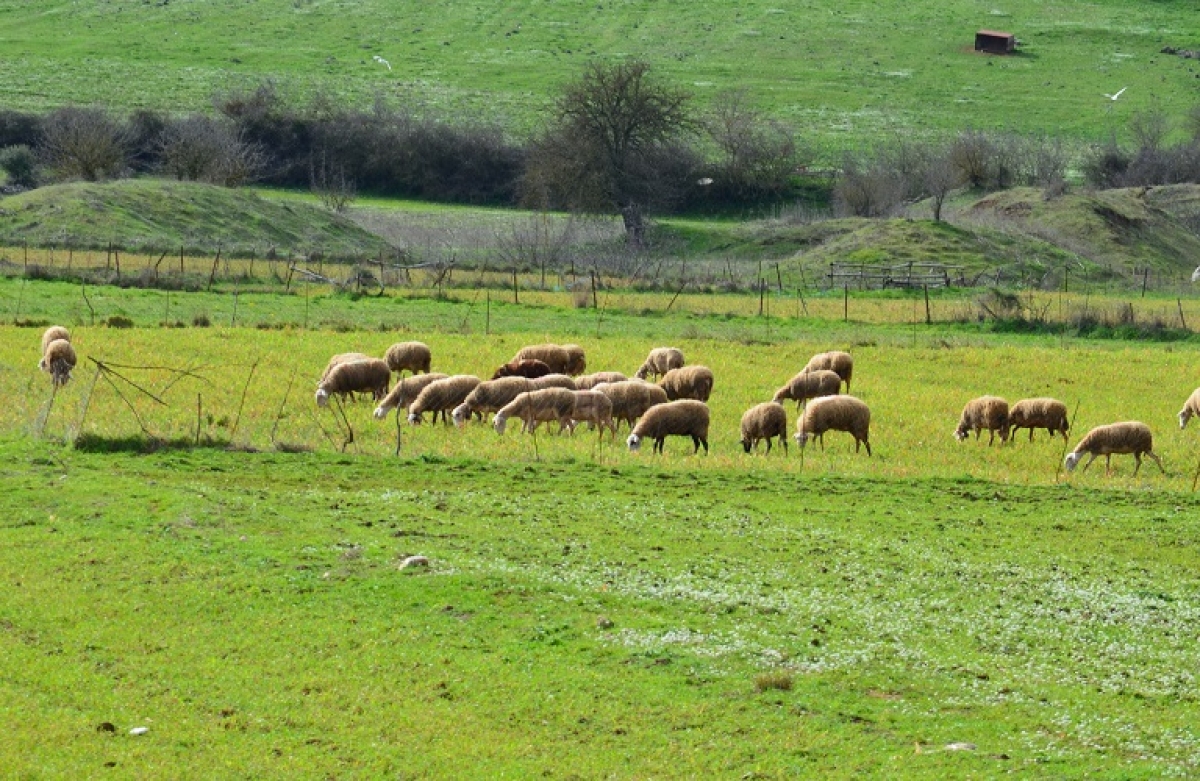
(414, 357)
(1041, 412)
(539, 406)
(58, 361)
(836, 361)
(1191, 407)
(364, 376)
(589, 381)
(553, 355)
(339, 359)
(596, 408)
(682, 418)
(631, 398)
(835, 413)
(554, 381)
(809, 385)
(688, 382)
(442, 396)
(1127, 437)
(660, 361)
(986, 413)
(490, 396)
(406, 392)
(765, 421)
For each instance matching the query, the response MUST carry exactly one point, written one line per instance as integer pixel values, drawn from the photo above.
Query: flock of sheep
(665, 397)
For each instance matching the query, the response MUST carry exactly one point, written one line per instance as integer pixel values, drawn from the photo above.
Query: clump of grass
(119, 321)
(201, 320)
(773, 679)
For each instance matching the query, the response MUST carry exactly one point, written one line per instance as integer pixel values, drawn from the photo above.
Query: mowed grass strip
(248, 609)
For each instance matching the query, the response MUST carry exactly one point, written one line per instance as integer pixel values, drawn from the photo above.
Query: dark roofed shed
(995, 42)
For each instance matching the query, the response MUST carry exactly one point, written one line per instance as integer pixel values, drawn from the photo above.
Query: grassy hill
(843, 71)
(148, 215)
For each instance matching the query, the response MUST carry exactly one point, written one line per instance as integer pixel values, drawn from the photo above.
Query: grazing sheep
(1190, 407)
(554, 381)
(684, 418)
(413, 356)
(1128, 437)
(835, 413)
(631, 398)
(765, 421)
(539, 406)
(688, 382)
(660, 361)
(490, 396)
(406, 392)
(442, 396)
(589, 381)
(58, 360)
(596, 409)
(576, 359)
(339, 359)
(528, 368)
(988, 413)
(835, 361)
(54, 333)
(809, 385)
(366, 376)
(554, 356)
(1050, 414)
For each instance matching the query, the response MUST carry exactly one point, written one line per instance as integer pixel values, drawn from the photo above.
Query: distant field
(842, 72)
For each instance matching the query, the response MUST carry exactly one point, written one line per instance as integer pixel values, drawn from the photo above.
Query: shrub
(20, 163)
(85, 143)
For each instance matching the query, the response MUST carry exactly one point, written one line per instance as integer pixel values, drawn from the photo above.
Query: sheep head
(634, 442)
(322, 397)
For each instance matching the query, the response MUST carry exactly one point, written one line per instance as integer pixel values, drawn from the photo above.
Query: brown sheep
(631, 398)
(58, 361)
(529, 368)
(683, 418)
(809, 385)
(539, 406)
(835, 361)
(364, 376)
(1191, 407)
(1128, 437)
(442, 396)
(589, 381)
(576, 359)
(660, 361)
(490, 396)
(688, 382)
(406, 392)
(1050, 414)
(986, 413)
(54, 333)
(835, 413)
(554, 356)
(414, 357)
(765, 421)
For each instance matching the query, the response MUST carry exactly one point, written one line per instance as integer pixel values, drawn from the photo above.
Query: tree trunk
(635, 225)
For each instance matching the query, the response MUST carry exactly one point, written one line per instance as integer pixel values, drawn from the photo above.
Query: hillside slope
(149, 215)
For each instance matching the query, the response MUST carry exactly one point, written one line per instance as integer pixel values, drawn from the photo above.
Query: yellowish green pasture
(255, 388)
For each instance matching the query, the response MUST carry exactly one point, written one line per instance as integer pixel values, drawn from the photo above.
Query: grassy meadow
(940, 608)
(844, 72)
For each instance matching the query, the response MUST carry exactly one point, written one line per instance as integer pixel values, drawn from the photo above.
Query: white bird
(382, 61)
(1196, 275)
(1115, 95)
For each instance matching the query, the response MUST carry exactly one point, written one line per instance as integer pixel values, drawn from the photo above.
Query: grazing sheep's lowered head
(1191, 408)
(1116, 438)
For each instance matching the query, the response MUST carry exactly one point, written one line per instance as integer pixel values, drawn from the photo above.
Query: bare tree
(204, 149)
(941, 177)
(84, 143)
(331, 183)
(614, 129)
(759, 155)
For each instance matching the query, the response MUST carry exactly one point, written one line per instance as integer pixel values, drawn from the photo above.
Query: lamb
(371, 375)
(536, 407)
(683, 418)
(554, 381)
(688, 382)
(554, 356)
(765, 421)
(528, 368)
(54, 333)
(631, 399)
(576, 359)
(1190, 407)
(835, 361)
(442, 396)
(58, 360)
(1128, 437)
(809, 385)
(413, 356)
(406, 392)
(1050, 414)
(835, 413)
(590, 381)
(490, 396)
(988, 413)
(596, 409)
(660, 361)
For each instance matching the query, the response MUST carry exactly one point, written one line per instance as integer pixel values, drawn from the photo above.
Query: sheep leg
(704, 442)
(768, 446)
(1157, 460)
(1089, 461)
(659, 442)
(1137, 459)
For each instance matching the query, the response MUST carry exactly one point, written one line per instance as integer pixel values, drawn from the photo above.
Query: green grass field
(841, 72)
(587, 611)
